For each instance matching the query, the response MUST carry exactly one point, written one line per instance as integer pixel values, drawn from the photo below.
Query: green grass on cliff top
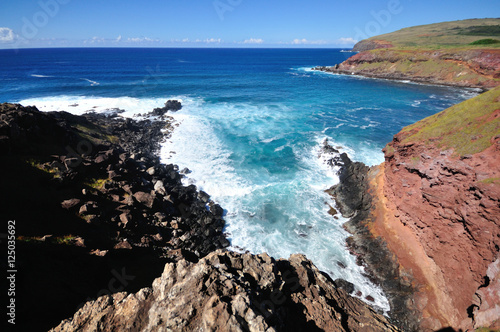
(467, 127)
(446, 34)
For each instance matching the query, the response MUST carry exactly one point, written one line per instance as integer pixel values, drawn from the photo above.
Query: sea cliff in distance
(459, 53)
(428, 225)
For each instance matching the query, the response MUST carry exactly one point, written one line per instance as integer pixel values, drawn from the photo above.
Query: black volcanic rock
(351, 193)
(354, 201)
(81, 190)
(170, 105)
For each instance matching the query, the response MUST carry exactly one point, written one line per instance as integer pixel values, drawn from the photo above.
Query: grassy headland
(454, 34)
(467, 128)
(459, 53)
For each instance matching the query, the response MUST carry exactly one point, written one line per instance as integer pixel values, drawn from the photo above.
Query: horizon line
(170, 47)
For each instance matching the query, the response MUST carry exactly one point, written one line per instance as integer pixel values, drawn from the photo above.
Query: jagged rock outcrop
(227, 291)
(351, 193)
(119, 186)
(170, 105)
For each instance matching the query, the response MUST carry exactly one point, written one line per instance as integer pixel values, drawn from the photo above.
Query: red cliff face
(449, 209)
(427, 220)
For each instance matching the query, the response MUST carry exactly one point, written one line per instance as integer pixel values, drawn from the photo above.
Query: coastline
(406, 80)
(182, 240)
(457, 67)
(134, 216)
(357, 197)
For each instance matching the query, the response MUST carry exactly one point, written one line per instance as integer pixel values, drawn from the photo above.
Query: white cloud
(253, 41)
(6, 35)
(308, 42)
(94, 40)
(212, 40)
(208, 41)
(141, 39)
(113, 41)
(345, 41)
(299, 41)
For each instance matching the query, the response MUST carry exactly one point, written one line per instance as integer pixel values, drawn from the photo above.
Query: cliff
(434, 223)
(460, 53)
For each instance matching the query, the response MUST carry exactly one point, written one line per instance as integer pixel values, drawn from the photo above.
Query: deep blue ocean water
(250, 129)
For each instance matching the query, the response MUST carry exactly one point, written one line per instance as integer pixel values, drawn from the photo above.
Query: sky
(220, 23)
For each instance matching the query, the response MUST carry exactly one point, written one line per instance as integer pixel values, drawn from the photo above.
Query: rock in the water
(170, 105)
(345, 285)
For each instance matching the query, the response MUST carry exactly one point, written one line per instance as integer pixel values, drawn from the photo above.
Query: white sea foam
(194, 145)
(327, 243)
(36, 75)
(80, 105)
(469, 93)
(306, 69)
(278, 216)
(466, 93)
(92, 83)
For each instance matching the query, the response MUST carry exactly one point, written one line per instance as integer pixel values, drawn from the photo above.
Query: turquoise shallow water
(250, 129)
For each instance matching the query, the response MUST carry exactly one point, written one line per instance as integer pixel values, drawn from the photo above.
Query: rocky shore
(99, 218)
(356, 200)
(426, 222)
(94, 206)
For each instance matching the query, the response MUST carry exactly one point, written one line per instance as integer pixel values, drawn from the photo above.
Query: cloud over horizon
(253, 41)
(6, 35)
(141, 39)
(348, 40)
(304, 41)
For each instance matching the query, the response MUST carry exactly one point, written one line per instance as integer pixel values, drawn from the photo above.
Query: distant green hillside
(446, 34)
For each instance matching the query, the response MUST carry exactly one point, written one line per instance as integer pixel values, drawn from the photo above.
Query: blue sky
(220, 23)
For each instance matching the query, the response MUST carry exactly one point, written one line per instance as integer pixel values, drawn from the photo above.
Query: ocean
(250, 130)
